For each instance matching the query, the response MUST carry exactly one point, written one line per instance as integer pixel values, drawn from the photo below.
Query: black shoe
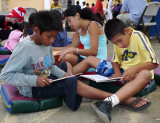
(103, 109)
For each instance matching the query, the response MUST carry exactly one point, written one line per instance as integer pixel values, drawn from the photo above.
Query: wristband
(77, 51)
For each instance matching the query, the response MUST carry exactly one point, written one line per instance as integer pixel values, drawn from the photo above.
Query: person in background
(117, 9)
(77, 3)
(10, 22)
(99, 10)
(83, 5)
(87, 5)
(16, 35)
(93, 7)
(55, 4)
(61, 39)
(131, 11)
(109, 9)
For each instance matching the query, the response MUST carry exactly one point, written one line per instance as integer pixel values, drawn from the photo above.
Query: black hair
(21, 26)
(93, 4)
(27, 29)
(77, 2)
(84, 3)
(114, 27)
(87, 4)
(56, 12)
(46, 21)
(85, 13)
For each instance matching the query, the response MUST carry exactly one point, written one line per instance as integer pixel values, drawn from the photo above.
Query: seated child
(15, 36)
(61, 39)
(133, 59)
(88, 32)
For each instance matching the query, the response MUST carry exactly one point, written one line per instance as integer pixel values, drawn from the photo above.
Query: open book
(66, 77)
(99, 78)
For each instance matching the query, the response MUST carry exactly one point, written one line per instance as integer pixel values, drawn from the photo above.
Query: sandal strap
(134, 102)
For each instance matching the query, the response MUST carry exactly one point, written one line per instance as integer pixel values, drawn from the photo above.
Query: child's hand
(43, 81)
(129, 74)
(115, 76)
(69, 69)
(67, 74)
(64, 52)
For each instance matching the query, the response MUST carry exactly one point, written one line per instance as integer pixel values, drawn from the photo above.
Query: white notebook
(99, 78)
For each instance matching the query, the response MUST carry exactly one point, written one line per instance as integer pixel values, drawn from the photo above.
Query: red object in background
(56, 56)
(6, 27)
(56, 59)
(80, 46)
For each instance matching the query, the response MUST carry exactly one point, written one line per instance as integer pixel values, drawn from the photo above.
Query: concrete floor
(86, 114)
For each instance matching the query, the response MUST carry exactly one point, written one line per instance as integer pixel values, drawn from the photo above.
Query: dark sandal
(134, 102)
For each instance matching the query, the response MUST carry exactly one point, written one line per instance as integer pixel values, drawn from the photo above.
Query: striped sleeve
(116, 55)
(146, 48)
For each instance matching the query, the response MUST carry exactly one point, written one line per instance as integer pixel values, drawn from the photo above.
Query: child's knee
(89, 58)
(79, 85)
(146, 74)
(67, 57)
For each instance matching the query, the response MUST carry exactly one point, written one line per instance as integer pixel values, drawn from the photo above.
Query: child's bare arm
(148, 66)
(116, 67)
(130, 73)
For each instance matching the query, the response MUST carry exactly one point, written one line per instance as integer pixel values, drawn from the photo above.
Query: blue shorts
(80, 58)
(105, 68)
(66, 88)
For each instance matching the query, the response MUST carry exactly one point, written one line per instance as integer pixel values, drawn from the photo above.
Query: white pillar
(80, 2)
(0, 5)
(47, 5)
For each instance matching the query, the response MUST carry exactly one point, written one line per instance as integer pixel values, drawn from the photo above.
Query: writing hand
(43, 81)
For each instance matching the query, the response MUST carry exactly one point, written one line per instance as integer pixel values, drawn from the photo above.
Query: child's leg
(134, 86)
(129, 89)
(90, 92)
(71, 58)
(84, 65)
(96, 94)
